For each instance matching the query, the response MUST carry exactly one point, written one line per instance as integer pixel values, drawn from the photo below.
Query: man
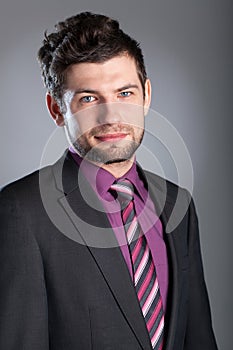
(87, 261)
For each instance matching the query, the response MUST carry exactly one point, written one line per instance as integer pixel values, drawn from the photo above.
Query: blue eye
(125, 93)
(87, 99)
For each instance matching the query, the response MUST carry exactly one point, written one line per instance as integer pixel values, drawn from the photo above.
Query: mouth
(111, 137)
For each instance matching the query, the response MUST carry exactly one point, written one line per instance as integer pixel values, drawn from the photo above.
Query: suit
(64, 281)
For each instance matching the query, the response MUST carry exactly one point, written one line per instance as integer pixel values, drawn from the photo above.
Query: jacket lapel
(165, 205)
(95, 232)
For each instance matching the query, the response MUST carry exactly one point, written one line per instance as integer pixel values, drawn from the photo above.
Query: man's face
(105, 109)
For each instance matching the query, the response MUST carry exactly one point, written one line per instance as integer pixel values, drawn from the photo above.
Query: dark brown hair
(86, 37)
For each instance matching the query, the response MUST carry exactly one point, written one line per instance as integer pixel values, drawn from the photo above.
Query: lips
(111, 137)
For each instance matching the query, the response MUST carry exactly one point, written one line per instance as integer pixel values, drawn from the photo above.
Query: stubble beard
(109, 153)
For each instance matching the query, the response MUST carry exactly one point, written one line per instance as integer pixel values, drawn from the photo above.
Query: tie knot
(124, 189)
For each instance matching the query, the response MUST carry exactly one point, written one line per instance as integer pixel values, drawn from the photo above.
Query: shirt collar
(101, 180)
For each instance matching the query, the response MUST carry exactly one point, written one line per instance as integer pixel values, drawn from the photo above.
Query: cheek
(78, 126)
(137, 124)
(86, 120)
(134, 115)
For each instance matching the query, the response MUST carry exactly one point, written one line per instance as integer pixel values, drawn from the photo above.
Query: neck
(117, 169)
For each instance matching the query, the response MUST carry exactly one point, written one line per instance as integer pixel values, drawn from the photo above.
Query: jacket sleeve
(23, 303)
(199, 332)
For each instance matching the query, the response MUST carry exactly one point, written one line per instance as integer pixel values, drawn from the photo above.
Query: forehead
(112, 73)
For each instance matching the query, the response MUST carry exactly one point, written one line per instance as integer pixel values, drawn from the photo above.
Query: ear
(54, 110)
(147, 98)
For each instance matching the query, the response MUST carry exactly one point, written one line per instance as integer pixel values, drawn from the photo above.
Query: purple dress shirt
(101, 180)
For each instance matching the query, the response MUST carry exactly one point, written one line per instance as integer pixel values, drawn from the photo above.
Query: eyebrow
(129, 86)
(90, 91)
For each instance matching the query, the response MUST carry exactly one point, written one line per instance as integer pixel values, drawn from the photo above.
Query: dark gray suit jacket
(64, 284)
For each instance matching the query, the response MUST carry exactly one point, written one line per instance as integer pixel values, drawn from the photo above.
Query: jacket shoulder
(25, 186)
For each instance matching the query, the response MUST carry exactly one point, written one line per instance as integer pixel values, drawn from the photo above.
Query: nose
(109, 113)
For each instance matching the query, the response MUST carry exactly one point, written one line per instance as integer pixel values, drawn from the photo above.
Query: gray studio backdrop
(188, 52)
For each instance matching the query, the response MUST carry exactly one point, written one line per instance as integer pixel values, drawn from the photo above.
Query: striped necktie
(144, 273)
